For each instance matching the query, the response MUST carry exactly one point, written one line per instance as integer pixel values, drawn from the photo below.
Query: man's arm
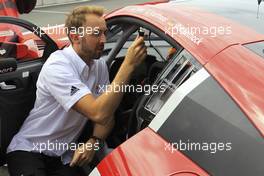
(102, 131)
(100, 109)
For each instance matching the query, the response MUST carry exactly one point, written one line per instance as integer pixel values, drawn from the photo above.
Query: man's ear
(75, 38)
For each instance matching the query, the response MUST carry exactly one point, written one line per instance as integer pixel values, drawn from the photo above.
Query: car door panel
(16, 103)
(18, 80)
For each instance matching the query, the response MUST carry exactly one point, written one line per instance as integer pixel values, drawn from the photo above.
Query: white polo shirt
(52, 124)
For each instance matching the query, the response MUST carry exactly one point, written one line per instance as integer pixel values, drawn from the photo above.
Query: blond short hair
(77, 17)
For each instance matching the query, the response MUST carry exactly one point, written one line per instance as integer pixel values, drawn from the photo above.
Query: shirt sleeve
(64, 84)
(104, 77)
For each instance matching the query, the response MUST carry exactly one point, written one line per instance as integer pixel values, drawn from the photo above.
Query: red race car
(201, 111)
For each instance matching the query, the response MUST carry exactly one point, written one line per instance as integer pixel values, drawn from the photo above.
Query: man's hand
(83, 155)
(136, 53)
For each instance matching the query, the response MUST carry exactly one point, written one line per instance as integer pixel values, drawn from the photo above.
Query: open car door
(21, 59)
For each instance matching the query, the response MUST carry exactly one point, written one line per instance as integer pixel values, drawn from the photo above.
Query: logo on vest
(74, 90)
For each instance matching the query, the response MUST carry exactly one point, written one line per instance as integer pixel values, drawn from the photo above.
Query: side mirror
(7, 65)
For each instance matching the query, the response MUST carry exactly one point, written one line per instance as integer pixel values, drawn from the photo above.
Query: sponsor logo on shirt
(74, 90)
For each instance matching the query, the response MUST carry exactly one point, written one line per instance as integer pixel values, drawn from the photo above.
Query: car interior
(167, 65)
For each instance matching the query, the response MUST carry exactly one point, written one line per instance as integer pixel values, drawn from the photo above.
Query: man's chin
(98, 55)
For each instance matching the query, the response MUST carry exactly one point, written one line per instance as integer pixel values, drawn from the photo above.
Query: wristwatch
(99, 141)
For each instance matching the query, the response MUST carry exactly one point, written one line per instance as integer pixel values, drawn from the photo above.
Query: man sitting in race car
(72, 88)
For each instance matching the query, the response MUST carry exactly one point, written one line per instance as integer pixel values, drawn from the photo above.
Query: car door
(24, 48)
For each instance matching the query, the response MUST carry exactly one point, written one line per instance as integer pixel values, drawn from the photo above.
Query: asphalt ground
(56, 15)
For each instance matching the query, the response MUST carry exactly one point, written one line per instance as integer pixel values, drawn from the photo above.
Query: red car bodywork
(241, 78)
(8, 8)
(218, 54)
(139, 156)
